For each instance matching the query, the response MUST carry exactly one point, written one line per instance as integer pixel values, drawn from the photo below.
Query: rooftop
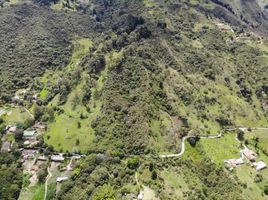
(28, 133)
(57, 158)
(63, 178)
(249, 154)
(234, 162)
(259, 165)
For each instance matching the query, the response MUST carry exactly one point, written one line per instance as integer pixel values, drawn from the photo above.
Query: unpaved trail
(69, 166)
(47, 179)
(26, 110)
(208, 137)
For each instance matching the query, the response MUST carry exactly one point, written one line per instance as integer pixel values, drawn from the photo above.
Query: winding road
(206, 137)
(47, 179)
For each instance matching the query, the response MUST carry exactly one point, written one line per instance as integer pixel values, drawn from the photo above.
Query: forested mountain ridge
(123, 82)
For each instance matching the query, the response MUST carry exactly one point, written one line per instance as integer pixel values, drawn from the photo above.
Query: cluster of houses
(6, 145)
(251, 156)
(29, 136)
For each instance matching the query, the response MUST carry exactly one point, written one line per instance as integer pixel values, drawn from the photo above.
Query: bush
(41, 175)
(106, 192)
(240, 135)
(266, 190)
(133, 163)
(18, 135)
(154, 175)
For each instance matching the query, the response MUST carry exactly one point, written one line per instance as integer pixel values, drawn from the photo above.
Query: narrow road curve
(69, 166)
(206, 137)
(47, 179)
(137, 181)
(28, 112)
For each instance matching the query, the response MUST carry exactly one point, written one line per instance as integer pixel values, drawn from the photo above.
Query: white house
(260, 165)
(61, 179)
(140, 196)
(57, 158)
(234, 162)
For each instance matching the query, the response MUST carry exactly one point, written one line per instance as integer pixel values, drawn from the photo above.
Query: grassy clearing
(262, 136)
(15, 116)
(69, 132)
(81, 47)
(161, 141)
(222, 148)
(33, 193)
(62, 4)
(174, 182)
(64, 134)
(246, 175)
(191, 153)
(10, 137)
(205, 4)
(43, 94)
(149, 3)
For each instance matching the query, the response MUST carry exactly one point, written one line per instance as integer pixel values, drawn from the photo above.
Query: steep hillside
(34, 39)
(251, 13)
(123, 82)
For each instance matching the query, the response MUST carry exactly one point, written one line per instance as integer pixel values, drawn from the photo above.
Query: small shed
(260, 165)
(29, 134)
(140, 196)
(12, 129)
(57, 158)
(39, 125)
(61, 179)
(28, 153)
(234, 162)
(42, 158)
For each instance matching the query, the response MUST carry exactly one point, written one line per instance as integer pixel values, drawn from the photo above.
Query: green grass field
(160, 141)
(246, 175)
(221, 149)
(33, 193)
(69, 132)
(81, 47)
(174, 182)
(62, 5)
(149, 3)
(64, 133)
(262, 136)
(16, 115)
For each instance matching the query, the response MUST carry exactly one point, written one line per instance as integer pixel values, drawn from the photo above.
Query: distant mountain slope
(250, 12)
(34, 39)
